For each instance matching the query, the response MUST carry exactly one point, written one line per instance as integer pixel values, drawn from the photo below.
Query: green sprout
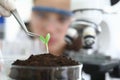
(45, 40)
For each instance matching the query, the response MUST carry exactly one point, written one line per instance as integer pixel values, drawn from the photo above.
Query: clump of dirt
(45, 60)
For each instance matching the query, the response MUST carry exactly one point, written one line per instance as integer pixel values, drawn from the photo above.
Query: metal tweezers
(21, 23)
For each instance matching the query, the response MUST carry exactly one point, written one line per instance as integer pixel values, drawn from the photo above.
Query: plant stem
(47, 48)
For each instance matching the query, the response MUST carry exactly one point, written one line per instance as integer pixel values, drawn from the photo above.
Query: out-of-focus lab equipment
(89, 23)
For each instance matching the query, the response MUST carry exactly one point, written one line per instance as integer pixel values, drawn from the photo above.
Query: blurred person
(51, 17)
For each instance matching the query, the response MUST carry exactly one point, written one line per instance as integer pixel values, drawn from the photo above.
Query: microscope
(88, 15)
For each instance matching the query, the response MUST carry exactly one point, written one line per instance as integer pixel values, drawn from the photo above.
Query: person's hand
(5, 7)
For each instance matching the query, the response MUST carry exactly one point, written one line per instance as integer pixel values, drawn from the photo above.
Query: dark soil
(45, 60)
